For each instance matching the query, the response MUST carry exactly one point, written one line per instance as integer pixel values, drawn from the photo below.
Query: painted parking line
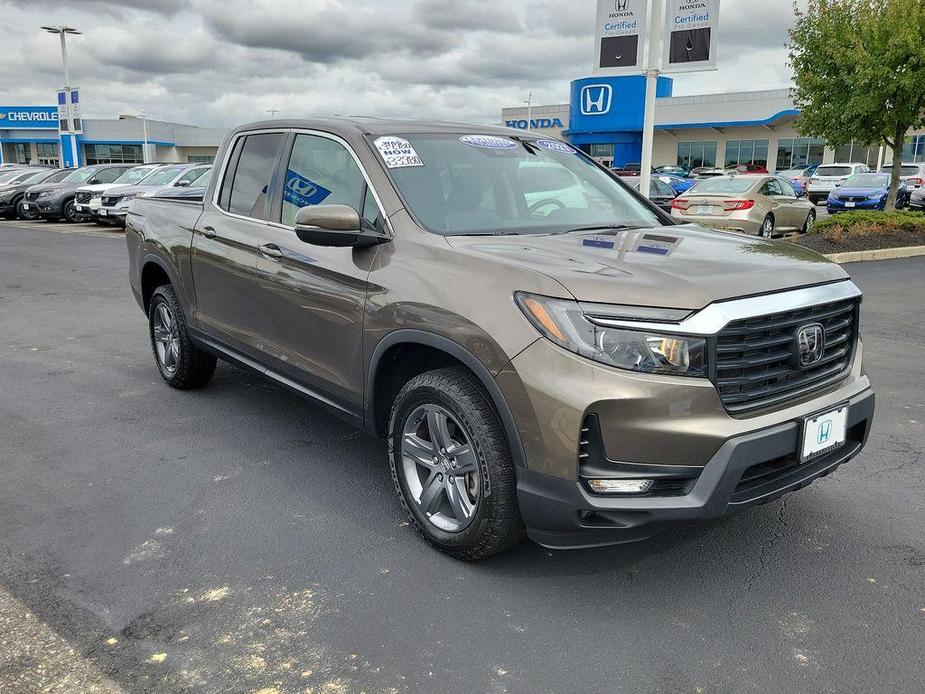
(64, 228)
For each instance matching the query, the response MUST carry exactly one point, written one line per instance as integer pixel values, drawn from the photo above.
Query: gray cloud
(215, 62)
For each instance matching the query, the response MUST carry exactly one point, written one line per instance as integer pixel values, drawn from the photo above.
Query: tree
(859, 68)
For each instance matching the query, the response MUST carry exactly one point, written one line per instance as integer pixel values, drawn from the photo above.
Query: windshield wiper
(600, 227)
(490, 233)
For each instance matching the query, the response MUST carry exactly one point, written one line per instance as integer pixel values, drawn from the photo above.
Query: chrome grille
(754, 357)
(82, 198)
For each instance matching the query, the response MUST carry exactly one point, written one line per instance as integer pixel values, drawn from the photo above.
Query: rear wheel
(810, 222)
(451, 465)
(181, 364)
(24, 213)
(767, 227)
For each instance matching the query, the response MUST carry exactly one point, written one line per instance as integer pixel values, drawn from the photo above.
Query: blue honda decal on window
(301, 192)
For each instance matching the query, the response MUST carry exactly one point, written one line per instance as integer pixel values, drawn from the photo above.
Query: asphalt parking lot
(239, 539)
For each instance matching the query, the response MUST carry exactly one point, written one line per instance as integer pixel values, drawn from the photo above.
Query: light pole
(144, 127)
(272, 112)
(62, 30)
(529, 103)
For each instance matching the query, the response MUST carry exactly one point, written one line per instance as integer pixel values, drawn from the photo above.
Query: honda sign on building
(619, 40)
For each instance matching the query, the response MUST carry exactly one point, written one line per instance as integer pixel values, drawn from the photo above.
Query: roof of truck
(377, 126)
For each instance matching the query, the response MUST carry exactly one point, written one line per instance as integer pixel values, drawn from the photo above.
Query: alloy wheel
(440, 468)
(810, 221)
(166, 339)
(70, 212)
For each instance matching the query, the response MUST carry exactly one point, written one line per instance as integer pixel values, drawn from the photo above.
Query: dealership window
(691, 154)
(200, 158)
(602, 151)
(854, 152)
(746, 152)
(914, 149)
(21, 152)
(799, 152)
(47, 153)
(113, 154)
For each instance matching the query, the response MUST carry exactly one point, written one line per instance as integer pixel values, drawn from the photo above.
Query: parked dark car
(674, 170)
(13, 190)
(53, 201)
(866, 191)
(659, 192)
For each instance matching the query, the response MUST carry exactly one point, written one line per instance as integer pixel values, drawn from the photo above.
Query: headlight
(877, 196)
(565, 323)
(124, 200)
(50, 191)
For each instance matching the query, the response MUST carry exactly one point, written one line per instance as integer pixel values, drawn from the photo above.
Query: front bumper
(840, 206)
(48, 207)
(747, 470)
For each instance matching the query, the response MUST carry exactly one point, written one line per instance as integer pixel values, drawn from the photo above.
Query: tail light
(814, 180)
(917, 181)
(680, 204)
(732, 205)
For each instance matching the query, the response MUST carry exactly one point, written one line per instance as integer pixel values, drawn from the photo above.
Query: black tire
(192, 368)
(24, 214)
(808, 224)
(767, 227)
(496, 524)
(69, 211)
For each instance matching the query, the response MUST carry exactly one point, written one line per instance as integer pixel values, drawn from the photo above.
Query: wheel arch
(443, 351)
(153, 271)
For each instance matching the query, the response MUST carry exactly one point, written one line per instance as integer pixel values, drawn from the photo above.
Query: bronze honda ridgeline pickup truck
(544, 350)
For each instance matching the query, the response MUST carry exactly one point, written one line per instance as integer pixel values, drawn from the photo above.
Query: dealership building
(29, 134)
(604, 118)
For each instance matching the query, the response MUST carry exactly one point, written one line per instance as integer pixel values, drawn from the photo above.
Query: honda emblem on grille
(810, 344)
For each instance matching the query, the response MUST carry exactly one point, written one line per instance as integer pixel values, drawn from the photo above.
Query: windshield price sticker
(488, 142)
(553, 146)
(397, 152)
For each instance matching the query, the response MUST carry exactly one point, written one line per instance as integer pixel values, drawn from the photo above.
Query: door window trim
(346, 145)
(224, 171)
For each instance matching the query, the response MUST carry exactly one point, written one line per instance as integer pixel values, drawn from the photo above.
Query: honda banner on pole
(620, 37)
(689, 42)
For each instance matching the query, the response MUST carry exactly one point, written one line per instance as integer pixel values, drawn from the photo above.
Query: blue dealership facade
(604, 117)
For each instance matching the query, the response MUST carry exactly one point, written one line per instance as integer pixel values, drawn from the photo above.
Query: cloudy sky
(223, 62)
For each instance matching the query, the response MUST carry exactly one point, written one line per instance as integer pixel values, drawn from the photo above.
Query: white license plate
(704, 209)
(102, 213)
(824, 432)
(849, 204)
(26, 206)
(79, 208)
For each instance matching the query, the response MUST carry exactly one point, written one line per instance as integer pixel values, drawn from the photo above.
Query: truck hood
(99, 187)
(681, 266)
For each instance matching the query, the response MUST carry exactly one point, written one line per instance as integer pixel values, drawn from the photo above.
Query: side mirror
(334, 225)
(183, 183)
(94, 181)
(838, 183)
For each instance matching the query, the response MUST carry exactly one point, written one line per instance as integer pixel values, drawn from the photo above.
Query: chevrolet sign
(28, 117)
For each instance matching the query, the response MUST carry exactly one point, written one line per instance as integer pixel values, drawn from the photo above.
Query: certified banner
(620, 37)
(689, 42)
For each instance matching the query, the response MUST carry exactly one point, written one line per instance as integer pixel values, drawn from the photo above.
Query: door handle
(208, 232)
(271, 250)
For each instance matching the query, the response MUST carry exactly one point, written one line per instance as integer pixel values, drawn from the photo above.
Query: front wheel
(810, 222)
(767, 227)
(23, 213)
(181, 364)
(451, 465)
(70, 212)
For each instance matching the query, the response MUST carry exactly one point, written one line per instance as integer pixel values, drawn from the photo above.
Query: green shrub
(864, 222)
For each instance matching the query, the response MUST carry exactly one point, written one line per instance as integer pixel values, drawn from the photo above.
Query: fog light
(620, 486)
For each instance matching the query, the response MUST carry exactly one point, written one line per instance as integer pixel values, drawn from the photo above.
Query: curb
(879, 254)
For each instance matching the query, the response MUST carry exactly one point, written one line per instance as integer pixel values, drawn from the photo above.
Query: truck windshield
(133, 175)
(489, 184)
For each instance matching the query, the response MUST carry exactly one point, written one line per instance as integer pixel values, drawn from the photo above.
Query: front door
(312, 298)
(226, 239)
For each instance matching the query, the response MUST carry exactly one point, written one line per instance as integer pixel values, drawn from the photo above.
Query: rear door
(311, 299)
(782, 205)
(226, 237)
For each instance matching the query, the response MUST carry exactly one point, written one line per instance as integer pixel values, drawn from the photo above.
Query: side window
(662, 188)
(786, 188)
(190, 176)
(772, 187)
(247, 192)
(320, 171)
(109, 175)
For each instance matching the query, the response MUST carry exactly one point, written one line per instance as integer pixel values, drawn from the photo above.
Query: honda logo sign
(596, 99)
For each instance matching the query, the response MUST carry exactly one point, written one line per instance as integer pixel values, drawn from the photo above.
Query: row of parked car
(842, 187)
(99, 193)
